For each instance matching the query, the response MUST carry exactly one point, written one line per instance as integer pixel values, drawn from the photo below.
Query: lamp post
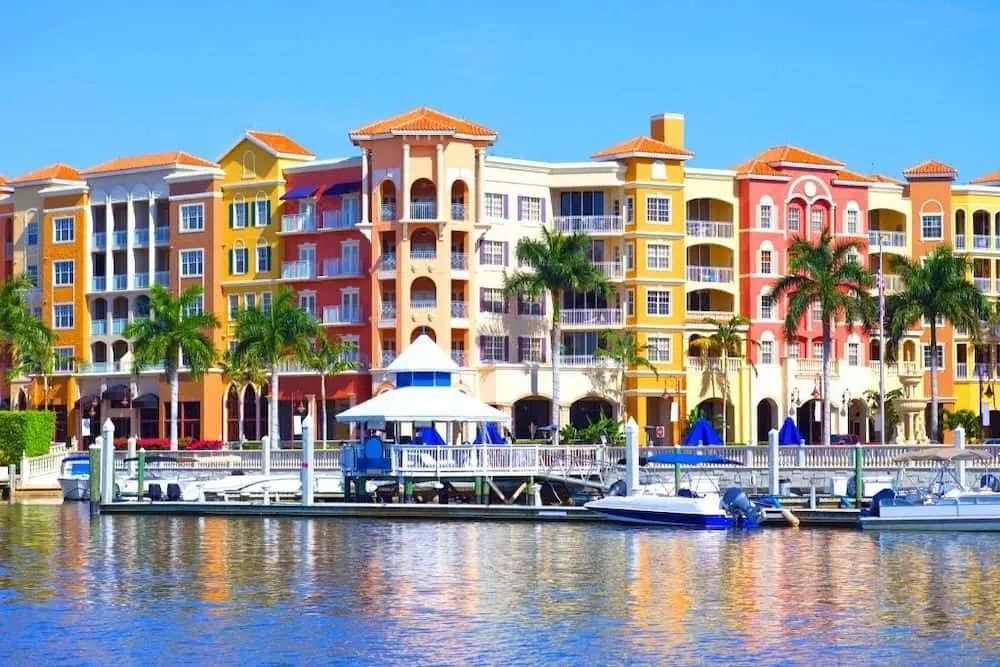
(881, 345)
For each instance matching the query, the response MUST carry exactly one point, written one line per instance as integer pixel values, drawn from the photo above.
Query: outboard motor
(736, 503)
(991, 482)
(619, 488)
(879, 498)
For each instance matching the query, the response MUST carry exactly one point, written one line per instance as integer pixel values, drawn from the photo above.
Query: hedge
(25, 432)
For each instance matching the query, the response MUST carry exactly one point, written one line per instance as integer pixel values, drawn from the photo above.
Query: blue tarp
(675, 458)
(430, 436)
(789, 433)
(491, 437)
(702, 434)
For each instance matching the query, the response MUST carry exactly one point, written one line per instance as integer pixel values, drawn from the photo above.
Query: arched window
(765, 213)
(766, 264)
(249, 165)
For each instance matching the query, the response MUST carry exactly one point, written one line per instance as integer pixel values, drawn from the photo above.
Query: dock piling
(95, 475)
(773, 481)
(631, 456)
(308, 460)
(108, 462)
(859, 479)
(960, 465)
(140, 472)
(11, 486)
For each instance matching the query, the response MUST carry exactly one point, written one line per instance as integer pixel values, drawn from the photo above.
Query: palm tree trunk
(827, 364)
(933, 422)
(322, 394)
(725, 397)
(554, 344)
(241, 412)
(274, 437)
(175, 390)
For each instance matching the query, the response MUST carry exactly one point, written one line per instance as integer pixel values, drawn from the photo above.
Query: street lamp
(984, 410)
(793, 402)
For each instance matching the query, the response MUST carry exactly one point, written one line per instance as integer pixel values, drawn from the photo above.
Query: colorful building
(416, 234)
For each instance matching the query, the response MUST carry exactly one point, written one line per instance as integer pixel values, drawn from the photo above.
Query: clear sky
(880, 84)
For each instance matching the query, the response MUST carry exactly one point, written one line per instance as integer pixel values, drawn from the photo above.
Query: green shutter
(268, 207)
(246, 213)
(231, 261)
(253, 215)
(232, 214)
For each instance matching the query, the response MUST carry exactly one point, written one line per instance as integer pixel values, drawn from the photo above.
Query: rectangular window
(32, 272)
(766, 307)
(62, 272)
(630, 303)
(766, 266)
(62, 316)
(192, 263)
(938, 320)
(931, 227)
(250, 300)
(196, 307)
(657, 302)
(853, 354)
(307, 303)
(62, 230)
(31, 233)
(262, 213)
(817, 312)
(658, 348)
(794, 219)
(234, 306)
(767, 352)
(530, 350)
(793, 350)
(658, 256)
(239, 261)
(265, 302)
(816, 220)
(240, 214)
(192, 217)
(493, 348)
(817, 351)
(63, 359)
(494, 253)
(939, 355)
(263, 259)
(530, 305)
(190, 419)
(657, 209)
(493, 205)
(629, 210)
(530, 209)
(492, 300)
(852, 221)
(765, 218)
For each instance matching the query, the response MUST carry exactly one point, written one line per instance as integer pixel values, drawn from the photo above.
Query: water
(129, 590)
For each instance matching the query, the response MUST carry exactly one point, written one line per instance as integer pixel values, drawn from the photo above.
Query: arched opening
(421, 331)
(709, 218)
(873, 349)
(250, 405)
(249, 165)
(232, 404)
(709, 303)
(711, 409)
(423, 244)
(387, 201)
(459, 198)
(707, 263)
(886, 229)
(423, 294)
(99, 318)
(423, 197)
(981, 230)
(809, 419)
(142, 306)
(857, 419)
(767, 418)
(22, 400)
(960, 229)
(530, 415)
(909, 351)
(119, 315)
(119, 350)
(589, 410)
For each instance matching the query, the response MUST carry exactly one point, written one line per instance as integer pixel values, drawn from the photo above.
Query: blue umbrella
(702, 433)
(789, 433)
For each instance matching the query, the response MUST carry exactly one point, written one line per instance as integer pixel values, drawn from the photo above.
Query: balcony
(814, 367)
(119, 282)
(162, 278)
(387, 212)
(339, 220)
(459, 261)
(581, 360)
(338, 268)
(960, 241)
(99, 327)
(141, 237)
(423, 210)
(388, 311)
(341, 315)
(710, 274)
(387, 262)
(459, 310)
(878, 238)
(595, 317)
(142, 280)
(98, 283)
(423, 303)
(589, 224)
(982, 284)
(611, 270)
(458, 356)
(120, 366)
(713, 364)
(981, 241)
(99, 241)
(709, 229)
(714, 314)
(388, 358)
(298, 222)
(301, 269)
(893, 283)
(423, 252)
(162, 235)
(119, 239)
(118, 325)
(458, 212)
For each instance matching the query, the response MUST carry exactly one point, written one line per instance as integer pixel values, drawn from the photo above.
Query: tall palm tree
(938, 287)
(559, 264)
(330, 359)
(623, 348)
(242, 375)
(21, 333)
(827, 273)
(726, 341)
(176, 331)
(285, 333)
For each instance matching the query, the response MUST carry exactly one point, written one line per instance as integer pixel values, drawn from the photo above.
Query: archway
(423, 244)
(423, 197)
(810, 427)
(22, 400)
(532, 411)
(588, 410)
(711, 409)
(423, 293)
(419, 331)
(857, 419)
(767, 418)
(232, 407)
(387, 205)
(459, 197)
(250, 404)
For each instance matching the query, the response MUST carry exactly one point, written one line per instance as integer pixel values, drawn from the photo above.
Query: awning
(117, 393)
(87, 401)
(423, 404)
(146, 401)
(342, 188)
(300, 192)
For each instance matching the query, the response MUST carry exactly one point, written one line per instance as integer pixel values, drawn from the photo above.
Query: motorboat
(686, 507)
(164, 472)
(945, 505)
(74, 477)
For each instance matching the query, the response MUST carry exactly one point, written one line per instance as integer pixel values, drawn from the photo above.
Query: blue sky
(880, 84)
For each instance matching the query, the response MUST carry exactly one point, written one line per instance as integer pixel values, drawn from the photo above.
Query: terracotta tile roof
(280, 143)
(787, 153)
(641, 144)
(424, 119)
(166, 159)
(3, 181)
(848, 175)
(882, 178)
(52, 171)
(992, 177)
(756, 168)
(931, 168)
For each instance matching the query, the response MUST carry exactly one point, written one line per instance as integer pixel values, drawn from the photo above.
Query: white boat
(74, 477)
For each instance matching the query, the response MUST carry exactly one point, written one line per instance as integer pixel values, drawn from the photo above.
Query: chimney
(668, 128)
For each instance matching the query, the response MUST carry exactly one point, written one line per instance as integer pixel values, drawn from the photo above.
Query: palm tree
(559, 264)
(937, 287)
(623, 348)
(285, 333)
(330, 359)
(726, 341)
(26, 338)
(176, 331)
(829, 274)
(241, 375)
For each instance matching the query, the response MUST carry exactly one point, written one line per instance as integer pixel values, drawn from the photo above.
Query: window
(249, 165)
(31, 233)
(931, 227)
(658, 302)
(630, 302)
(192, 217)
(585, 202)
(766, 307)
(658, 170)
(190, 419)
(765, 216)
(817, 312)
(493, 348)
(816, 219)
(817, 350)
(493, 253)
(853, 354)
(938, 320)
(234, 306)
(492, 300)
(794, 219)
(192, 263)
(852, 221)
(196, 307)
(531, 209)
(307, 302)
(62, 316)
(62, 272)
(766, 266)
(629, 256)
(658, 256)
(530, 305)
(493, 205)
(265, 302)
(629, 209)
(262, 212)
(32, 272)
(263, 259)
(250, 300)
(658, 348)
(854, 258)
(63, 359)
(767, 352)
(657, 209)
(239, 214)
(530, 350)
(939, 355)
(62, 230)
(239, 261)
(793, 350)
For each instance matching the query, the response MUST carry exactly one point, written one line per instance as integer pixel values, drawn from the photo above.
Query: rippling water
(132, 590)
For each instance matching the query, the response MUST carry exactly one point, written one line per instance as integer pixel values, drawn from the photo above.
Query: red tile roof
(641, 145)
(3, 181)
(989, 179)
(930, 169)
(882, 178)
(53, 171)
(787, 153)
(166, 159)
(848, 175)
(280, 143)
(424, 119)
(756, 168)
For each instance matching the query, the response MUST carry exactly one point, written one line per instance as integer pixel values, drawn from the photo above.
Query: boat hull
(955, 512)
(74, 488)
(663, 511)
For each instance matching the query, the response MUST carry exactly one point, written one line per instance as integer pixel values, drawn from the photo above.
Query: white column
(109, 232)
(151, 226)
(480, 208)
(404, 184)
(129, 242)
(364, 185)
(443, 193)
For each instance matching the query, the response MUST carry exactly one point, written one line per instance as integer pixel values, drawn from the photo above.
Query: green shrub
(27, 432)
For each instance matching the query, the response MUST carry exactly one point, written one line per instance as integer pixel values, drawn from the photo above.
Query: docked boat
(946, 505)
(74, 477)
(685, 508)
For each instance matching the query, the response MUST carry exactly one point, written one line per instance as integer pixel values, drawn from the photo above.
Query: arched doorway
(423, 198)
(767, 418)
(459, 197)
(250, 404)
(589, 410)
(232, 404)
(857, 419)
(22, 400)
(531, 411)
(387, 205)
(711, 409)
(810, 427)
(421, 331)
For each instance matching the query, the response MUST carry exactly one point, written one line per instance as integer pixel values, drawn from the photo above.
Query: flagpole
(881, 344)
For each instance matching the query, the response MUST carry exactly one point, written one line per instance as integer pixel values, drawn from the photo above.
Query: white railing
(592, 316)
(888, 239)
(710, 229)
(300, 268)
(960, 241)
(589, 224)
(338, 268)
(120, 366)
(611, 270)
(459, 310)
(387, 262)
(423, 210)
(813, 367)
(982, 284)
(459, 261)
(247, 460)
(423, 304)
(714, 314)
(713, 364)
(981, 241)
(893, 283)
(388, 311)
(339, 220)
(298, 222)
(423, 252)
(341, 315)
(46, 465)
(710, 274)
(584, 360)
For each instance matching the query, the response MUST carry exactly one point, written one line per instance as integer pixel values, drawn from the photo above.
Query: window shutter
(232, 214)
(231, 261)
(520, 208)
(520, 304)
(253, 215)
(541, 302)
(506, 253)
(542, 347)
(506, 348)
(482, 349)
(506, 213)
(520, 348)
(267, 212)
(544, 202)
(482, 253)
(246, 212)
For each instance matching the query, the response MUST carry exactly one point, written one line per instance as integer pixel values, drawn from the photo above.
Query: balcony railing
(298, 222)
(423, 252)
(100, 241)
(423, 303)
(458, 213)
(981, 241)
(459, 261)
(99, 283)
(592, 316)
(888, 239)
(814, 367)
(387, 212)
(341, 315)
(982, 284)
(119, 282)
(142, 280)
(611, 270)
(715, 314)
(960, 241)
(388, 311)
(119, 239)
(120, 366)
(422, 210)
(301, 269)
(339, 219)
(99, 327)
(388, 358)
(589, 224)
(581, 360)
(118, 325)
(141, 237)
(458, 356)
(459, 310)
(338, 268)
(162, 278)
(713, 364)
(710, 274)
(709, 229)
(162, 235)
(387, 262)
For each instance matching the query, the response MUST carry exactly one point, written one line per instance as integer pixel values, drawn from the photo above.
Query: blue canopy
(702, 433)
(342, 188)
(676, 458)
(77, 457)
(300, 192)
(430, 436)
(789, 433)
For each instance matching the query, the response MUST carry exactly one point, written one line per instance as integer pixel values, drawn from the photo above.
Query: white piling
(772, 461)
(960, 465)
(265, 451)
(307, 474)
(631, 456)
(108, 462)
(131, 454)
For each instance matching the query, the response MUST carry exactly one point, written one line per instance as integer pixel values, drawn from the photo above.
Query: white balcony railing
(99, 283)
(99, 327)
(387, 262)
(611, 270)
(141, 237)
(589, 224)
(162, 235)
(713, 364)
(118, 325)
(423, 210)
(583, 360)
(301, 269)
(981, 241)
(423, 252)
(961, 370)
(298, 222)
(710, 274)
(814, 367)
(339, 219)
(119, 282)
(142, 280)
(710, 229)
(162, 278)
(338, 268)
(341, 315)
(458, 212)
(982, 284)
(119, 238)
(100, 241)
(423, 303)
(960, 241)
(592, 316)
(888, 239)
(387, 212)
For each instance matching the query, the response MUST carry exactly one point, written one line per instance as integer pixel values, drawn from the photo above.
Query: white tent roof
(423, 404)
(423, 354)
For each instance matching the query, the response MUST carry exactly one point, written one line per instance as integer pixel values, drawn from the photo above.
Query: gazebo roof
(423, 354)
(423, 404)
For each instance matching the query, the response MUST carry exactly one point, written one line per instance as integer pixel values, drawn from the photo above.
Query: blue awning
(300, 192)
(342, 188)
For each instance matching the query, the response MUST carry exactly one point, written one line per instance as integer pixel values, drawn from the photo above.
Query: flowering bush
(163, 444)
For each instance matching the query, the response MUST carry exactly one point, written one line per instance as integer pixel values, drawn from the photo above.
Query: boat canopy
(941, 455)
(423, 404)
(677, 458)
(77, 457)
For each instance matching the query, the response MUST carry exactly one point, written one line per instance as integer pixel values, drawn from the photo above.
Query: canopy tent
(789, 433)
(430, 436)
(422, 404)
(702, 433)
(488, 436)
(941, 455)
